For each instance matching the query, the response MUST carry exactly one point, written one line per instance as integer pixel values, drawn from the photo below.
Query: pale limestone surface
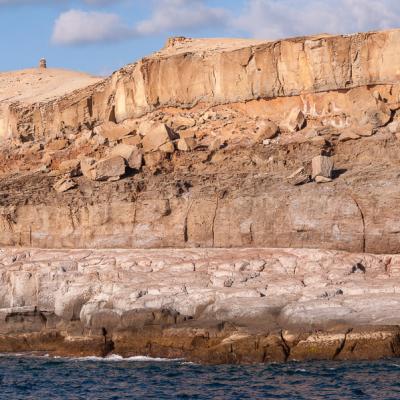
(300, 287)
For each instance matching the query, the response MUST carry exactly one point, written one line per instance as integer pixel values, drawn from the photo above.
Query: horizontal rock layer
(240, 199)
(217, 72)
(208, 144)
(207, 305)
(236, 193)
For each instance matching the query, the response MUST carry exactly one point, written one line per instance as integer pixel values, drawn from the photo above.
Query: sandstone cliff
(192, 71)
(206, 144)
(218, 94)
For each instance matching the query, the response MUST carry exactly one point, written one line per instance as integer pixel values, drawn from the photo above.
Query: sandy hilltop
(221, 200)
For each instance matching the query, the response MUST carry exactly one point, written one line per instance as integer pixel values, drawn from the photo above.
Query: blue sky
(99, 36)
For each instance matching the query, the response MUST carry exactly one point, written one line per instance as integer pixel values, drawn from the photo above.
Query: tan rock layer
(203, 71)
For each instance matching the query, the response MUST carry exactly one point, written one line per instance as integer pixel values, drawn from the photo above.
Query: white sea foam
(117, 358)
(110, 358)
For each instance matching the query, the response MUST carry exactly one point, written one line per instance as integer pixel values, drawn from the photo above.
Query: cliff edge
(262, 174)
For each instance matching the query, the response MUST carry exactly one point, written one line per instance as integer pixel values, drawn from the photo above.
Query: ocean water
(29, 377)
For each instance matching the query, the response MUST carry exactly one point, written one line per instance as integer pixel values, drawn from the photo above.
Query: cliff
(212, 71)
(207, 145)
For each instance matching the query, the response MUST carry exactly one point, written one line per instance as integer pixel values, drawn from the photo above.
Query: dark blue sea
(29, 377)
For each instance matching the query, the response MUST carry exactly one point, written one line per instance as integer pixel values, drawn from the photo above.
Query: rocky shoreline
(216, 344)
(204, 305)
(234, 201)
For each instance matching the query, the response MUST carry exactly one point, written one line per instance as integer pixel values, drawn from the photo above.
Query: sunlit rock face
(214, 306)
(211, 71)
(194, 113)
(251, 188)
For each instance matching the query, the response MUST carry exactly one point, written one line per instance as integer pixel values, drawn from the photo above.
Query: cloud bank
(282, 18)
(269, 19)
(167, 16)
(75, 26)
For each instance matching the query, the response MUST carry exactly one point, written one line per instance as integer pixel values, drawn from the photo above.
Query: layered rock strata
(240, 198)
(217, 153)
(218, 72)
(204, 174)
(250, 305)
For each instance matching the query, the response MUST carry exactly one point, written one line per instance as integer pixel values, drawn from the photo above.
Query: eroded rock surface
(206, 305)
(205, 146)
(203, 154)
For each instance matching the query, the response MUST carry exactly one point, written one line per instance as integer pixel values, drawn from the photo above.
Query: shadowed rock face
(242, 199)
(207, 305)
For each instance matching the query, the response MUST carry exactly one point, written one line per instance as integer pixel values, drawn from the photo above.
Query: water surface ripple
(27, 377)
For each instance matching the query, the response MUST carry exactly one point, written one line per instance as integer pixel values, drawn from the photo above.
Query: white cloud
(178, 15)
(76, 26)
(273, 19)
(168, 16)
(270, 19)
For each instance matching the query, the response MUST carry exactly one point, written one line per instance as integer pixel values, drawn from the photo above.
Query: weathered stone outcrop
(221, 72)
(213, 150)
(241, 198)
(205, 305)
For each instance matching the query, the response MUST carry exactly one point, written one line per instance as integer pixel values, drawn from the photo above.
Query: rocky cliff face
(206, 305)
(219, 177)
(207, 144)
(190, 71)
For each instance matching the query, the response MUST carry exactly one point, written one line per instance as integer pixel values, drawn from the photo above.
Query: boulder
(131, 154)
(82, 139)
(364, 131)
(57, 145)
(299, 177)
(348, 134)
(187, 133)
(132, 140)
(394, 126)
(145, 127)
(322, 179)
(64, 184)
(110, 168)
(296, 121)
(87, 166)
(99, 140)
(322, 166)
(71, 167)
(318, 141)
(112, 131)
(179, 122)
(156, 137)
(266, 130)
(168, 147)
(187, 144)
(107, 169)
(154, 159)
(378, 116)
